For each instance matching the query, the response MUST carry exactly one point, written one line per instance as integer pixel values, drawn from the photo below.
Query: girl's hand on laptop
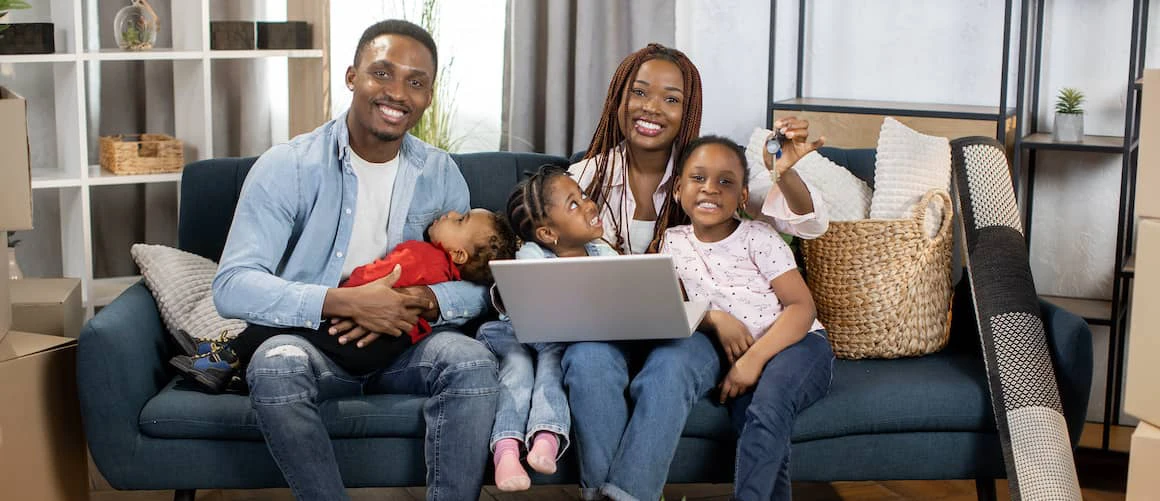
(740, 379)
(733, 335)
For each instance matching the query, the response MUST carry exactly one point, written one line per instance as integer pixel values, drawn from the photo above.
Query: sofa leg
(184, 494)
(985, 489)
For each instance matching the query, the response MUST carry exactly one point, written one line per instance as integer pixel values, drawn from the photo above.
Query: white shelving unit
(72, 170)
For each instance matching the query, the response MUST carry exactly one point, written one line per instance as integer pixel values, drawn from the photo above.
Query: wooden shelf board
(1089, 309)
(934, 110)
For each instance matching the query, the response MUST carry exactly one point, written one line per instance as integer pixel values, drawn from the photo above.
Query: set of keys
(773, 144)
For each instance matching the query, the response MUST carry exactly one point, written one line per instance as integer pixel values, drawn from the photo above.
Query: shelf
(1120, 437)
(37, 58)
(1139, 83)
(101, 177)
(53, 178)
(264, 53)
(143, 55)
(1100, 144)
(105, 290)
(1129, 268)
(1094, 311)
(858, 106)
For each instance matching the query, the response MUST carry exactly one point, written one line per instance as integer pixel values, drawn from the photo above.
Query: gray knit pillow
(182, 284)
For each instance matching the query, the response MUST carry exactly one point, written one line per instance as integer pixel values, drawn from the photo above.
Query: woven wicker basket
(141, 154)
(883, 287)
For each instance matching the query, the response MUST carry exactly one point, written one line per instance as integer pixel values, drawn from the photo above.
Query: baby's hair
(737, 150)
(608, 134)
(500, 245)
(527, 205)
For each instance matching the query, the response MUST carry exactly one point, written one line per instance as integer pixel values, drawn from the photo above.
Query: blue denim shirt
(293, 224)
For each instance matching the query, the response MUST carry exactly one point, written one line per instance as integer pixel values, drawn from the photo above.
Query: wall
(948, 52)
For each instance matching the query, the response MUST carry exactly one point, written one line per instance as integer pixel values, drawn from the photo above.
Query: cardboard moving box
(42, 445)
(1142, 389)
(15, 169)
(50, 306)
(1143, 463)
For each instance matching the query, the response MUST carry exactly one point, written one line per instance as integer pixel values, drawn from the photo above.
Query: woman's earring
(556, 242)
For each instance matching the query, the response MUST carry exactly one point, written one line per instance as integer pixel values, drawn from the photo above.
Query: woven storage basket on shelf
(141, 154)
(883, 287)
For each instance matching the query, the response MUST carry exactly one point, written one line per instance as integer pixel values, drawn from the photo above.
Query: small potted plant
(1069, 116)
(7, 5)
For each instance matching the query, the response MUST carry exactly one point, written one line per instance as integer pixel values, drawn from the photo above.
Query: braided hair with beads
(527, 204)
(609, 136)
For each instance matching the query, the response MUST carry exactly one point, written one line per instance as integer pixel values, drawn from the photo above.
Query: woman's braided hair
(527, 205)
(609, 135)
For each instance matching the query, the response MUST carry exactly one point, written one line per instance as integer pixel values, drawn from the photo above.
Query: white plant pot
(1068, 128)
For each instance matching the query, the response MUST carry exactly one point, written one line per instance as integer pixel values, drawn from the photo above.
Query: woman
(652, 111)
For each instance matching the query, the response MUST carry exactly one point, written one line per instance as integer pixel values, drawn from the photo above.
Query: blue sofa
(915, 418)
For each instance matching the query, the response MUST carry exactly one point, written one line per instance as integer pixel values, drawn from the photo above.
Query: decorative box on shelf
(284, 35)
(141, 154)
(232, 35)
(27, 38)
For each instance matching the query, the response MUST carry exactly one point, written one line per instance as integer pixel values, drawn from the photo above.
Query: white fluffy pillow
(182, 284)
(908, 165)
(847, 198)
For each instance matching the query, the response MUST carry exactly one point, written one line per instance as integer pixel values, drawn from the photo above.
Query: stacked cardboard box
(1142, 389)
(42, 446)
(15, 185)
(49, 306)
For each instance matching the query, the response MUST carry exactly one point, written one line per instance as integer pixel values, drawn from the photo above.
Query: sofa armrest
(121, 355)
(1070, 342)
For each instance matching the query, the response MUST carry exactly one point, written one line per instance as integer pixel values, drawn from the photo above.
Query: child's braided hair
(527, 205)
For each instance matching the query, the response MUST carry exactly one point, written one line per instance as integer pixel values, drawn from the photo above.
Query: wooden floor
(946, 490)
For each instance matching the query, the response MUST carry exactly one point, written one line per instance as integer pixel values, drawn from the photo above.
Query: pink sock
(509, 474)
(542, 455)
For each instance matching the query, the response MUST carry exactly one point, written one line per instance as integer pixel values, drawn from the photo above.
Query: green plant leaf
(434, 127)
(1069, 101)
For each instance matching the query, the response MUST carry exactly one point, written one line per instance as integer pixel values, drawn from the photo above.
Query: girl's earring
(556, 242)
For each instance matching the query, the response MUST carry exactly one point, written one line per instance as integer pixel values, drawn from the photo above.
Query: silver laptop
(605, 298)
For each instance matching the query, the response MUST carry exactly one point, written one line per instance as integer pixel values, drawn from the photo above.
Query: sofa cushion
(180, 411)
(937, 393)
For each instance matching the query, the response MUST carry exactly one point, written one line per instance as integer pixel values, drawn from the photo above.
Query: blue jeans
(289, 378)
(792, 380)
(531, 392)
(626, 448)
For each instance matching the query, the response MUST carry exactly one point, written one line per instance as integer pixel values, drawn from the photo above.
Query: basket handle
(918, 213)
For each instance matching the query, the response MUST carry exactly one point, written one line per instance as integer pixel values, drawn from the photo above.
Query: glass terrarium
(136, 26)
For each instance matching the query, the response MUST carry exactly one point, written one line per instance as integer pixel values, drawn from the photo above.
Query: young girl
(628, 423)
(553, 218)
(760, 311)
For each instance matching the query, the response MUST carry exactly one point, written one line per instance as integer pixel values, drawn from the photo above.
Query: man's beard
(385, 137)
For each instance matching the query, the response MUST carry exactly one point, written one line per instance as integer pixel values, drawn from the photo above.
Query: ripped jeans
(290, 379)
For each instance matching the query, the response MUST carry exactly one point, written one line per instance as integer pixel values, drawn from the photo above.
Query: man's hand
(368, 311)
(795, 146)
(740, 379)
(733, 335)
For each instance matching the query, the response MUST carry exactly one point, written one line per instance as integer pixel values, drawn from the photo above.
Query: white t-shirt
(734, 274)
(368, 236)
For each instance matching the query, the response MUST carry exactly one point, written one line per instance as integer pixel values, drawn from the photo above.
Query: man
(311, 211)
